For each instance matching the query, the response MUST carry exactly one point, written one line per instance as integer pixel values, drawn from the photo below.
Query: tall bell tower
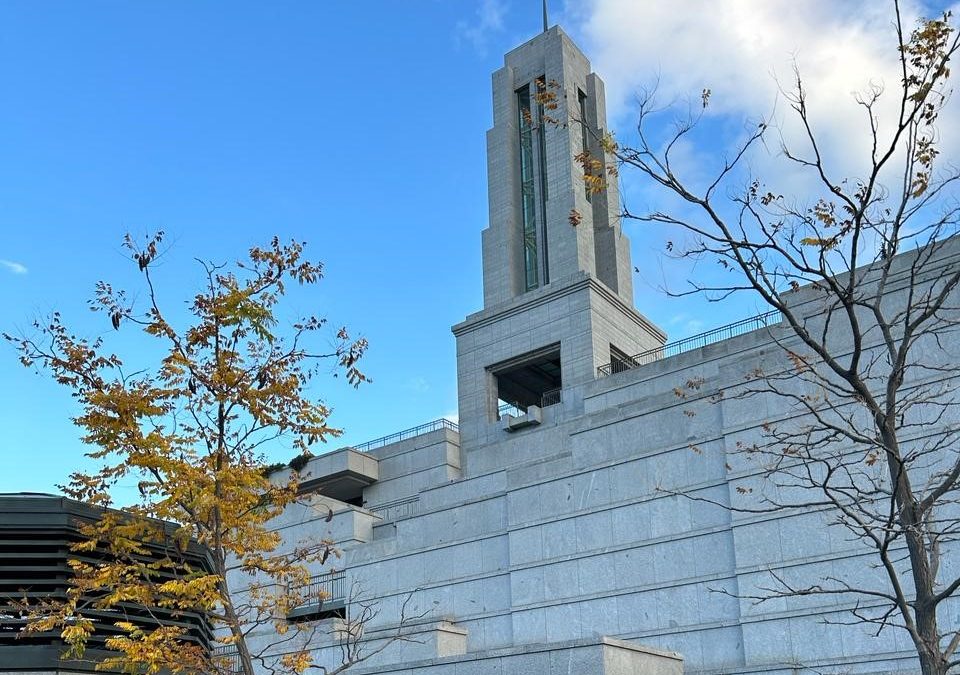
(557, 285)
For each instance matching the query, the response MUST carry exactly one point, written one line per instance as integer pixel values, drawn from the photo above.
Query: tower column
(558, 297)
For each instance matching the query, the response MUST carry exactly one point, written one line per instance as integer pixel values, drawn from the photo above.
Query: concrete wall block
(709, 461)
(722, 648)
(674, 559)
(812, 639)
(466, 489)
(670, 516)
(870, 574)
(467, 558)
(375, 581)
(526, 586)
(523, 505)
(861, 639)
(637, 612)
(591, 489)
(525, 545)
(529, 626)
(594, 531)
(678, 606)
(561, 580)
(480, 596)
(491, 515)
(580, 661)
(757, 543)
(420, 458)
(414, 571)
(438, 601)
(689, 644)
(631, 523)
(634, 566)
(718, 601)
(597, 574)
(713, 510)
(754, 585)
(498, 631)
(562, 622)
(624, 658)
(495, 553)
(751, 410)
(630, 480)
(598, 618)
(714, 554)
(556, 498)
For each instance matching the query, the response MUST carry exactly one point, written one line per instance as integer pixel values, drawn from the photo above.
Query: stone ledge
(653, 661)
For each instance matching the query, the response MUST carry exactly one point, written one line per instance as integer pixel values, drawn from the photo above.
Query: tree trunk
(931, 661)
(927, 635)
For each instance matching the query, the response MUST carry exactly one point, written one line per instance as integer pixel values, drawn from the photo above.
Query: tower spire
(557, 300)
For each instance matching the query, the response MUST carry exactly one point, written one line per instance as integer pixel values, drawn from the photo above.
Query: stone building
(543, 534)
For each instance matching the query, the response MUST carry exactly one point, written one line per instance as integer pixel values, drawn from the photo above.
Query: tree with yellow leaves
(190, 431)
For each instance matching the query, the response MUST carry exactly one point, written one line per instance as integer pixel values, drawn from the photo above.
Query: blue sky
(357, 127)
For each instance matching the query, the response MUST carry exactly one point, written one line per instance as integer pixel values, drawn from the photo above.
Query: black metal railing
(619, 365)
(327, 588)
(227, 658)
(412, 432)
(548, 398)
(551, 397)
(399, 508)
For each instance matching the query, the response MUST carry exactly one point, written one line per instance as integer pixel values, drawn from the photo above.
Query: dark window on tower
(585, 140)
(528, 203)
(531, 379)
(541, 83)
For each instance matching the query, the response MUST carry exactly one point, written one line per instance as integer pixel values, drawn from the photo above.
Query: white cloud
(488, 19)
(741, 49)
(14, 267)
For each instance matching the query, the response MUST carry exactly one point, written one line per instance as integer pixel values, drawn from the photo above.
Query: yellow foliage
(187, 433)
(298, 662)
(825, 244)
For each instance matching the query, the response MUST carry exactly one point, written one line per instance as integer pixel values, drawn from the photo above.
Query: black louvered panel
(36, 536)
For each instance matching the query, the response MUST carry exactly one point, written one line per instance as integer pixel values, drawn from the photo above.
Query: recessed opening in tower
(530, 379)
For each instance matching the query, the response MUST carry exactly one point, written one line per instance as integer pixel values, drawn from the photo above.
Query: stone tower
(558, 297)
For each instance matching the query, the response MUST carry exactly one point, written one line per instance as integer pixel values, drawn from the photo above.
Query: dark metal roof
(37, 533)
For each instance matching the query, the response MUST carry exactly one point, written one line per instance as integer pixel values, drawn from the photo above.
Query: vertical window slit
(585, 139)
(542, 152)
(528, 203)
